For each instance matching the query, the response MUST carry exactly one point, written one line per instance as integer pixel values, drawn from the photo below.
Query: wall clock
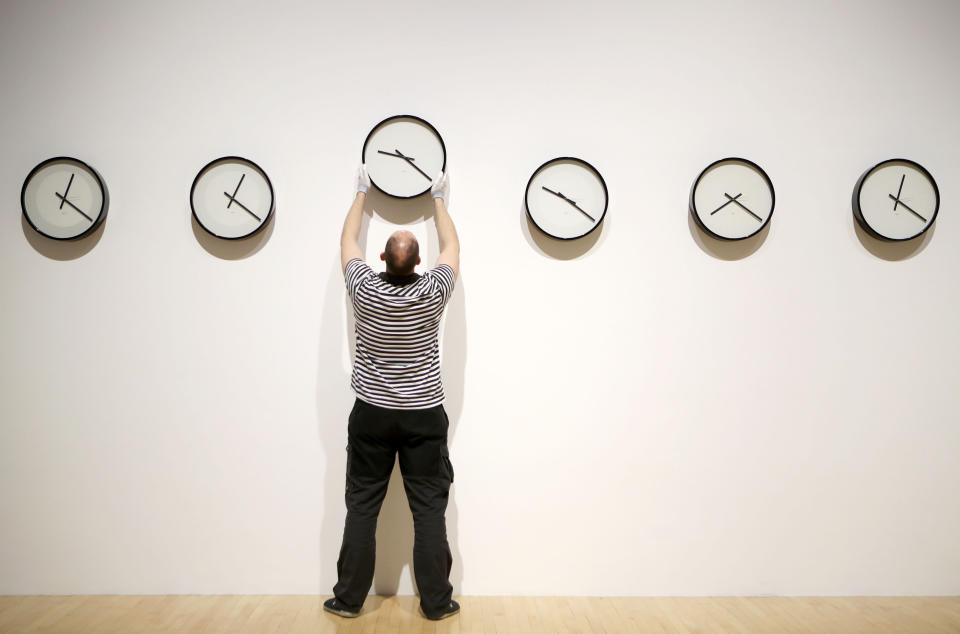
(232, 197)
(732, 199)
(403, 155)
(896, 200)
(63, 198)
(566, 198)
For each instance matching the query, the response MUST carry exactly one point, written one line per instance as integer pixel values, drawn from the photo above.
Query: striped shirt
(397, 358)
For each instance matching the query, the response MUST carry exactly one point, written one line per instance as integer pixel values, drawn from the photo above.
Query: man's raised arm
(349, 237)
(446, 232)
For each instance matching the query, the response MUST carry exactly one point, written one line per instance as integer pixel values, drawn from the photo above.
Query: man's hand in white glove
(441, 187)
(363, 179)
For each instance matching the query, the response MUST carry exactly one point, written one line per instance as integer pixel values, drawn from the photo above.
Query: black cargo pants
(376, 435)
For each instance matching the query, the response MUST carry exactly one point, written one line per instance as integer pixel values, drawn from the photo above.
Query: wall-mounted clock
(566, 198)
(403, 155)
(896, 200)
(232, 197)
(63, 198)
(732, 199)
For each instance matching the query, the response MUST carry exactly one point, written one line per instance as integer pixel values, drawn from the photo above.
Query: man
(399, 406)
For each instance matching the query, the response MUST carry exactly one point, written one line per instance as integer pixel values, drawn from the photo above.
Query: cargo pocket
(446, 467)
(347, 487)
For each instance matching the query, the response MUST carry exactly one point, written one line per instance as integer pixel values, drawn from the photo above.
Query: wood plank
(220, 614)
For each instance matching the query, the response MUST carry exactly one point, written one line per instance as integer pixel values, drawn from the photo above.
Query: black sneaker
(453, 608)
(333, 605)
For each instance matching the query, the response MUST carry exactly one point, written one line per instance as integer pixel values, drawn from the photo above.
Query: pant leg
(370, 457)
(427, 476)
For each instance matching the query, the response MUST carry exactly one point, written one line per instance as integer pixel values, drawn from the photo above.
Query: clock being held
(63, 198)
(896, 200)
(232, 198)
(732, 199)
(566, 198)
(403, 155)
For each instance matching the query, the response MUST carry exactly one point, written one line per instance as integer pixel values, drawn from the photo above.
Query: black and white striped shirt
(397, 358)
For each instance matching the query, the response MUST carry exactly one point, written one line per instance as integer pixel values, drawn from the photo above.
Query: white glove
(441, 186)
(363, 179)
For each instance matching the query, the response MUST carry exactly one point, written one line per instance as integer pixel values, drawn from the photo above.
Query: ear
(418, 260)
(383, 256)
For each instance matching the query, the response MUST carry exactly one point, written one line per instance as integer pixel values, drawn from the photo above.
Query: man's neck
(399, 280)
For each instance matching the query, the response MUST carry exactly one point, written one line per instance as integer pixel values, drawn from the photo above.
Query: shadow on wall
(334, 400)
(554, 247)
(893, 250)
(62, 250)
(233, 249)
(729, 250)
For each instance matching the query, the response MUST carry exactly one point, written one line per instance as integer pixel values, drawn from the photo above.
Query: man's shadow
(335, 398)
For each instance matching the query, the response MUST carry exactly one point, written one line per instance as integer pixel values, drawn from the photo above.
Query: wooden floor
(385, 615)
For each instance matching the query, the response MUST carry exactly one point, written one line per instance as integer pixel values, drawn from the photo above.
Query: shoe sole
(441, 617)
(343, 613)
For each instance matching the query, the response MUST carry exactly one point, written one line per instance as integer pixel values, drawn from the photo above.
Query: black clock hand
(581, 210)
(898, 201)
(744, 207)
(242, 206)
(410, 161)
(571, 202)
(554, 193)
(726, 203)
(63, 199)
(233, 198)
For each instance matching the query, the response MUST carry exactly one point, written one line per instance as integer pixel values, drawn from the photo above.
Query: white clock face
(63, 198)
(732, 199)
(232, 197)
(403, 155)
(897, 200)
(566, 198)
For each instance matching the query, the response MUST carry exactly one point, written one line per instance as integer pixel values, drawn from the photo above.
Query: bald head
(402, 253)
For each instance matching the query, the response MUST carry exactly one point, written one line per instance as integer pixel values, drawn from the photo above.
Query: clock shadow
(227, 249)
(554, 247)
(63, 250)
(398, 211)
(889, 250)
(729, 250)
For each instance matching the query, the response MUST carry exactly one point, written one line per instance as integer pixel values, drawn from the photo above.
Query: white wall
(646, 413)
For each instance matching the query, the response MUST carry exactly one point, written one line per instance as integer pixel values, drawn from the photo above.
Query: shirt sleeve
(442, 281)
(354, 275)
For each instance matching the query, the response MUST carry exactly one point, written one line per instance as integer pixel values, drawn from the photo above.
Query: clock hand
(397, 155)
(410, 161)
(898, 201)
(233, 198)
(744, 207)
(555, 193)
(242, 206)
(592, 219)
(67, 191)
(726, 203)
(581, 210)
(63, 199)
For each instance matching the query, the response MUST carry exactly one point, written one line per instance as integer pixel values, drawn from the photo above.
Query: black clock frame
(443, 147)
(858, 211)
(766, 178)
(101, 214)
(603, 183)
(273, 198)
